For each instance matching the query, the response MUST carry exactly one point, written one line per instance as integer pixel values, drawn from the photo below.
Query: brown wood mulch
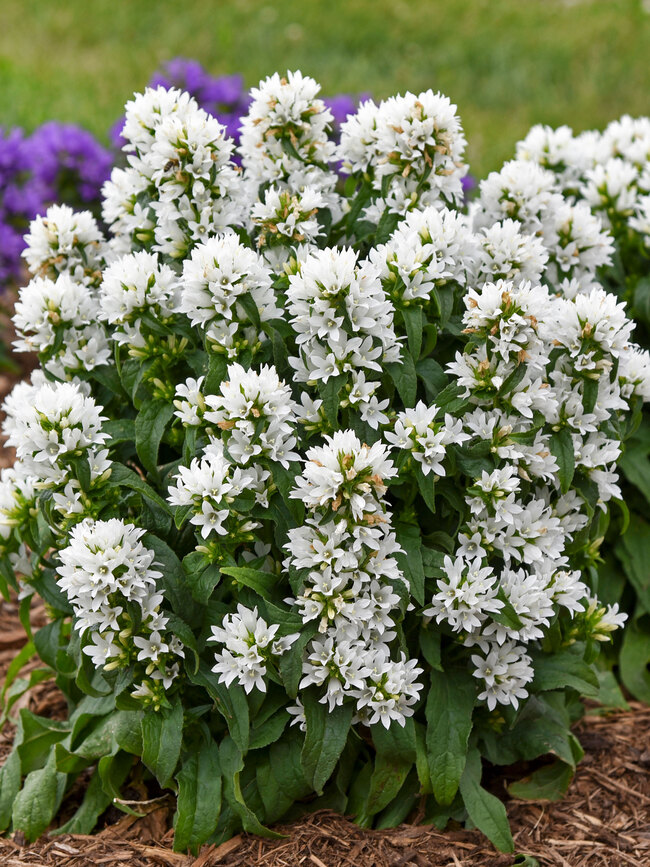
(603, 820)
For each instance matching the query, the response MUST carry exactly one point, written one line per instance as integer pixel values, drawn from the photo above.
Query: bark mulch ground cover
(603, 820)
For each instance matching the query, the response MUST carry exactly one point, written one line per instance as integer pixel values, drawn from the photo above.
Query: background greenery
(506, 63)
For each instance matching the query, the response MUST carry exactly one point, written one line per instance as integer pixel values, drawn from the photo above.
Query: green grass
(506, 63)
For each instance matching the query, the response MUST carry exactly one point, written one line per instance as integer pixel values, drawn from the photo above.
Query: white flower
(65, 242)
(135, 286)
(285, 135)
(257, 415)
(416, 142)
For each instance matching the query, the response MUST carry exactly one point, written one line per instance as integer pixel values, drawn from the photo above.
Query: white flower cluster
(285, 224)
(285, 137)
(180, 185)
(545, 365)
(250, 646)
(425, 437)
(574, 239)
(137, 287)
(344, 326)
(110, 578)
(210, 485)
(219, 278)
(608, 171)
(256, 413)
(412, 148)
(254, 416)
(54, 427)
(65, 242)
(431, 250)
(347, 550)
(58, 320)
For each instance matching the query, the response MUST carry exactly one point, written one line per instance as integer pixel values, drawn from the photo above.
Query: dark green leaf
(565, 668)
(450, 704)
(162, 735)
(633, 551)
(410, 562)
(414, 323)
(261, 582)
(327, 733)
(199, 798)
(395, 755)
(486, 812)
(634, 660)
(561, 446)
(403, 375)
(150, 426)
(38, 800)
(548, 783)
(232, 763)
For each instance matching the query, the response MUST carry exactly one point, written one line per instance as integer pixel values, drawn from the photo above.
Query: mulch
(603, 820)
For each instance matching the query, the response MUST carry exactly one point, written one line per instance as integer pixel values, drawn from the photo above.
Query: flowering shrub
(609, 174)
(314, 473)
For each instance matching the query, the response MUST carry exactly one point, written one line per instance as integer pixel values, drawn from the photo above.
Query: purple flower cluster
(59, 163)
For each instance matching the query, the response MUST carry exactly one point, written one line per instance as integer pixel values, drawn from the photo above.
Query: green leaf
(642, 300)
(174, 580)
(565, 668)
(39, 735)
(387, 223)
(403, 375)
(123, 476)
(450, 704)
(561, 446)
(329, 392)
(217, 367)
(634, 660)
(199, 798)
(10, 777)
(150, 426)
(507, 615)
(269, 731)
(231, 704)
(261, 582)
(120, 430)
(246, 300)
(162, 735)
(633, 551)
(327, 733)
(38, 801)
(426, 486)
(395, 755)
(548, 783)
(485, 810)
(410, 562)
(430, 644)
(414, 323)
(232, 763)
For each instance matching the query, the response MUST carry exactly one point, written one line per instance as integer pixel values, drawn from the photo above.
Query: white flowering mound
(315, 473)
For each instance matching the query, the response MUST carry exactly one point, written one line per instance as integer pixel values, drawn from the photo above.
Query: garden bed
(603, 820)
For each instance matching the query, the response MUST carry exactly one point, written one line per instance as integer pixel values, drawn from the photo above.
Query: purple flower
(58, 163)
(71, 162)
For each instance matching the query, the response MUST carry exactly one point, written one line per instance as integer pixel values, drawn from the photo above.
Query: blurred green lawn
(506, 63)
